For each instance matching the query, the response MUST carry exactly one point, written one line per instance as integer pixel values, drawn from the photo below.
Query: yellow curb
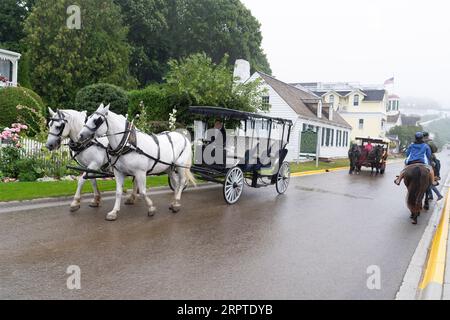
(435, 267)
(313, 172)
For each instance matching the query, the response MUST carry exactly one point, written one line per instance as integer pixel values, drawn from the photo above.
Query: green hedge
(10, 98)
(90, 97)
(156, 100)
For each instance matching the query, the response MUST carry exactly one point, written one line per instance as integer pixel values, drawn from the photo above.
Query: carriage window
(361, 123)
(356, 100)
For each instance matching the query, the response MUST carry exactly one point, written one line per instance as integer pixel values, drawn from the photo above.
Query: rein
(128, 144)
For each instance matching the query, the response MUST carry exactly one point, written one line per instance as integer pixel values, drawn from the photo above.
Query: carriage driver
(418, 153)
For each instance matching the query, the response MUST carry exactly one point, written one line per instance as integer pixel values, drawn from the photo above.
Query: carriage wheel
(283, 177)
(172, 183)
(233, 185)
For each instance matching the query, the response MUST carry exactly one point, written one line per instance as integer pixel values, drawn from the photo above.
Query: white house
(9, 66)
(308, 113)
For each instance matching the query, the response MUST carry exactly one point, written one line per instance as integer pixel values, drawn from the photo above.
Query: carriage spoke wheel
(233, 185)
(283, 177)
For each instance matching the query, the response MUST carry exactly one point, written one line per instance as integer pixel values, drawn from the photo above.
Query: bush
(11, 97)
(156, 101)
(90, 97)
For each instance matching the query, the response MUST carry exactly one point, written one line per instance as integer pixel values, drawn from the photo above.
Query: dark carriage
(376, 159)
(252, 150)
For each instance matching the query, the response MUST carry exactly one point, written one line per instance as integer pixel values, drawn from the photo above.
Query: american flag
(389, 81)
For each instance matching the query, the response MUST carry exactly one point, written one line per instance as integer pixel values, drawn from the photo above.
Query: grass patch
(311, 165)
(35, 190)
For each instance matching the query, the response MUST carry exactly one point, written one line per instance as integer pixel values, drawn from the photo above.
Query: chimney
(241, 70)
(330, 113)
(319, 109)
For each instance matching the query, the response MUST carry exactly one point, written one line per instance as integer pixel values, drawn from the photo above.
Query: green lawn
(34, 190)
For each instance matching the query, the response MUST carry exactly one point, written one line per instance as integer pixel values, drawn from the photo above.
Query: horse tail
(188, 174)
(416, 190)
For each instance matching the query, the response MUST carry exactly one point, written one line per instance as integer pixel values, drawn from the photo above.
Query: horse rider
(436, 163)
(434, 149)
(418, 153)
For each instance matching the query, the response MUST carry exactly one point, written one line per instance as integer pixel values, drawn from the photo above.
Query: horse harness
(75, 147)
(128, 144)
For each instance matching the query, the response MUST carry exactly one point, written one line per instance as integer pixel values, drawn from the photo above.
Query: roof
(233, 114)
(302, 101)
(410, 120)
(6, 54)
(374, 95)
(393, 118)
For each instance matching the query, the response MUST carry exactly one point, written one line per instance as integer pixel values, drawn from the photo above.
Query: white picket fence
(35, 149)
(32, 148)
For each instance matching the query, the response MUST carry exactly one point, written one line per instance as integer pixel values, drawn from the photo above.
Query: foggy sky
(364, 41)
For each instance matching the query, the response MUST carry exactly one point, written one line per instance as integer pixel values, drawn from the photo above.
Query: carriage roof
(235, 114)
(371, 140)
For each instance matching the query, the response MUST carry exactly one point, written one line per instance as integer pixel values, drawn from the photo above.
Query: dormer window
(332, 100)
(356, 100)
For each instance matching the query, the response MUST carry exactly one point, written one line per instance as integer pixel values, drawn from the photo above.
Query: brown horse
(417, 180)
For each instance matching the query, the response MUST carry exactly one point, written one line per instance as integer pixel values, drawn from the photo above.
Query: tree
(161, 30)
(216, 27)
(146, 20)
(197, 80)
(12, 15)
(63, 60)
(406, 134)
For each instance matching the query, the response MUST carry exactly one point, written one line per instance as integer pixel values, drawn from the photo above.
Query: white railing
(7, 84)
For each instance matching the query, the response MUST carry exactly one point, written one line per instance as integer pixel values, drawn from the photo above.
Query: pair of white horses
(170, 152)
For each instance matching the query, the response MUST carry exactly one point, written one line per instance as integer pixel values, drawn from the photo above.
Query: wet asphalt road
(314, 242)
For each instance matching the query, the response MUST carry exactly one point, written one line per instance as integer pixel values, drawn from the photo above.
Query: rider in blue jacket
(418, 152)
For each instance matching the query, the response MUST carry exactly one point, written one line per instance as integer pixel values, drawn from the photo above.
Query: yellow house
(364, 108)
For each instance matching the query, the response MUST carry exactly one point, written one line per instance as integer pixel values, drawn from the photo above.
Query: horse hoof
(129, 202)
(94, 204)
(111, 216)
(74, 208)
(151, 211)
(414, 221)
(175, 208)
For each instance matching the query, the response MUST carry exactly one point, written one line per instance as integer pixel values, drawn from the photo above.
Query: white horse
(137, 154)
(68, 123)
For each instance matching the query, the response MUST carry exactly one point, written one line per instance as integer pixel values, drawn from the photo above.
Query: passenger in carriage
(418, 153)
(368, 147)
(218, 140)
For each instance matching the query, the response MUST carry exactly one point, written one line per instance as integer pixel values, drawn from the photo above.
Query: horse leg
(95, 203)
(120, 178)
(76, 203)
(140, 182)
(176, 205)
(132, 198)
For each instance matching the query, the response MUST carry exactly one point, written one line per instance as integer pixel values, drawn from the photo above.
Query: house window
(323, 137)
(265, 102)
(356, 100)
(361, 124)
(327, 142)
(382, 124)
(345, 138)
(332, 100)
(332, 138)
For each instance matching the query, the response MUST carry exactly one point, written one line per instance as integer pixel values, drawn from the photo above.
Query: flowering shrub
(12, 135)
(173, 120)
